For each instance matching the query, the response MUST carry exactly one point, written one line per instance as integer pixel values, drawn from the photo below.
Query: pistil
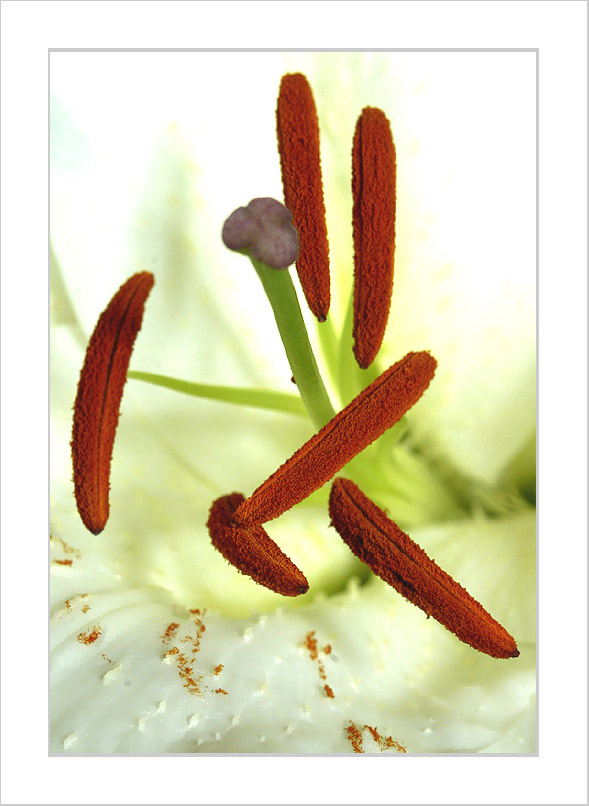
(264, 231)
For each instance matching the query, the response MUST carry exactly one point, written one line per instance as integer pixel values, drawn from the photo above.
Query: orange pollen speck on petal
(252, 551)
(88, 638)
(374, 172)
(397, 559)
(298, 144)
(100, 389)
(354, 737)
(369, 415)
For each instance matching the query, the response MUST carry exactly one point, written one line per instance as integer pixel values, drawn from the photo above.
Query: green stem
(256, 398)
(352, 379)
(406, 484)
(280, 291)
(347, 362)
(329, 345)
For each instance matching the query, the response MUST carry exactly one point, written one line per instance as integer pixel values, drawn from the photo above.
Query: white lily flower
(157, 644)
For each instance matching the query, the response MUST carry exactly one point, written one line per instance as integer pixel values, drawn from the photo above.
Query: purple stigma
(263, 230)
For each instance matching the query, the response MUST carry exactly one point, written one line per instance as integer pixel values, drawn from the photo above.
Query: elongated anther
(298, 143)
(252, 551)
(100, 389)
(397, 559)
(369, 415)
(374, 192)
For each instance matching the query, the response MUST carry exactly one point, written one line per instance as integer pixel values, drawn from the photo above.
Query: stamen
(264, 230)
(373, 188)
(397, 559)
(100, 389)
(298, 143)
(252, 551)
(363, 420)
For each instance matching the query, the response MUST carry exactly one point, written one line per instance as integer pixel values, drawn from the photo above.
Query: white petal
(149, 679)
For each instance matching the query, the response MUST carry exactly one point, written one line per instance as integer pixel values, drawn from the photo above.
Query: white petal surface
(132, 671)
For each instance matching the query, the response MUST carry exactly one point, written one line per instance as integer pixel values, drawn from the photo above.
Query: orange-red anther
(100, 389)
(376, 409)
(298, 143)
(397, 559)
(373, 189)
(252, 551)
